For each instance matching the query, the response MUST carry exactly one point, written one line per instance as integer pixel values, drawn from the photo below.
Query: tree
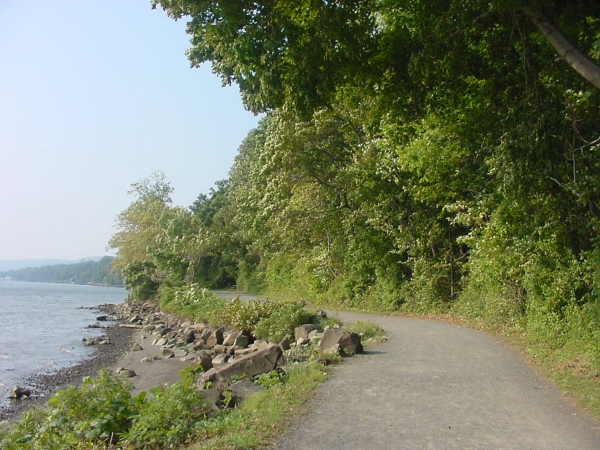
(301, 52)
(138, 225)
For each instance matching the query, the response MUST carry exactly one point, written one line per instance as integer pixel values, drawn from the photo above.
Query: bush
(95, 413)
(271, 321)
(192, 301)
(168, 417)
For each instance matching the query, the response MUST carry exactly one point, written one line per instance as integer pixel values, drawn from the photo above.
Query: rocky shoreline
(152, 347)
(43, 385)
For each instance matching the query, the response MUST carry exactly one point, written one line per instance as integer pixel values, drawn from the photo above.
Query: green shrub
(168, 417)
(268, 320)
(284, 317)
(95, 413)
(244, 316)
(192, 301)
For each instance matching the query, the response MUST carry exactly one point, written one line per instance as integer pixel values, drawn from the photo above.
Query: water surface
(42, 326)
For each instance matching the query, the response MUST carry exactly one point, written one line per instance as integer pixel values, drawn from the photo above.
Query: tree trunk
(565, 48)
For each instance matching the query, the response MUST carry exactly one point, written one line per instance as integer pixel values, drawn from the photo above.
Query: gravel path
(434, 385)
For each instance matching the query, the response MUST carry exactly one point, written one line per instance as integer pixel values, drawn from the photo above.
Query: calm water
(42, 325)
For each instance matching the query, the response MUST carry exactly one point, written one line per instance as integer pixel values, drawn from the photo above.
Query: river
(42, 326)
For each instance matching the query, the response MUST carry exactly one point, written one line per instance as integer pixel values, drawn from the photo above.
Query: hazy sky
(94, 95)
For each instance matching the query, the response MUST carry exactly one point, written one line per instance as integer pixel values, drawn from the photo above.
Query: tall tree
(138, 225)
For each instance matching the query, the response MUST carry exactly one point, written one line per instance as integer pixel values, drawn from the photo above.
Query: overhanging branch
(565, 48)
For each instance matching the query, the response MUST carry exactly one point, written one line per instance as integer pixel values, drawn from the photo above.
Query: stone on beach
(19, 392)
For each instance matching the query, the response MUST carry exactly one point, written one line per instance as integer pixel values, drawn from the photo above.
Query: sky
(95, 95)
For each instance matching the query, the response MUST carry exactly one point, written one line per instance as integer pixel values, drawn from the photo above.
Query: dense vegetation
(86, 272)
(413, 156)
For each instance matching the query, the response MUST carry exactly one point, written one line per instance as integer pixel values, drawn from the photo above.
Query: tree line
(87, 272)
(415, 156)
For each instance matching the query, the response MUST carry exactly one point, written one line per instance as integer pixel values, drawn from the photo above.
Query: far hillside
(86, 272)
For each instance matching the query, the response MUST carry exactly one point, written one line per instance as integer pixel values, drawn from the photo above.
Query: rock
(180, 353)
(94, 325)
(249, 365)
(101, 318)
(285, 344)
(259, 344)
(219, 348)
(199, 344)
(315, 333)
(189, 336)
(220, 359)
(231, 337)
(100, 340)
(161, 341)
(215, 338)
(213, 398)
(166, 353)
(244, 351)
(170, 335)
(135, 319)
(243, 389)
(204, 359)
(206, 332)
(125, 373)
(148, 359)
(303, 330)
(242, 341)
(348, 343)
(302, 341)
(19, 392)
(136, 348)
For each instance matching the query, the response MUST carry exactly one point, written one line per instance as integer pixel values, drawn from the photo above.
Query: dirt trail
(434, 385)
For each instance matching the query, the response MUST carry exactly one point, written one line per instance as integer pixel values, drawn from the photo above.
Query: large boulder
(303, 330)
(339, 340)
(249, 365)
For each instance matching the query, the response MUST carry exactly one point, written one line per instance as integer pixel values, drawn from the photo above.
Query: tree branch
(565, 48)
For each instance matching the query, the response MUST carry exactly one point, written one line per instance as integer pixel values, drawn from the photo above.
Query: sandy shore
(118, 353)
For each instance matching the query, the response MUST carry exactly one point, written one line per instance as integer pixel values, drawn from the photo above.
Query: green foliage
(270, 379)
(192, 301)
(280, 323)
(140, 279)
(244, 316)
(268, 320)
(414, 156)
(96, 413)
(168, 417)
